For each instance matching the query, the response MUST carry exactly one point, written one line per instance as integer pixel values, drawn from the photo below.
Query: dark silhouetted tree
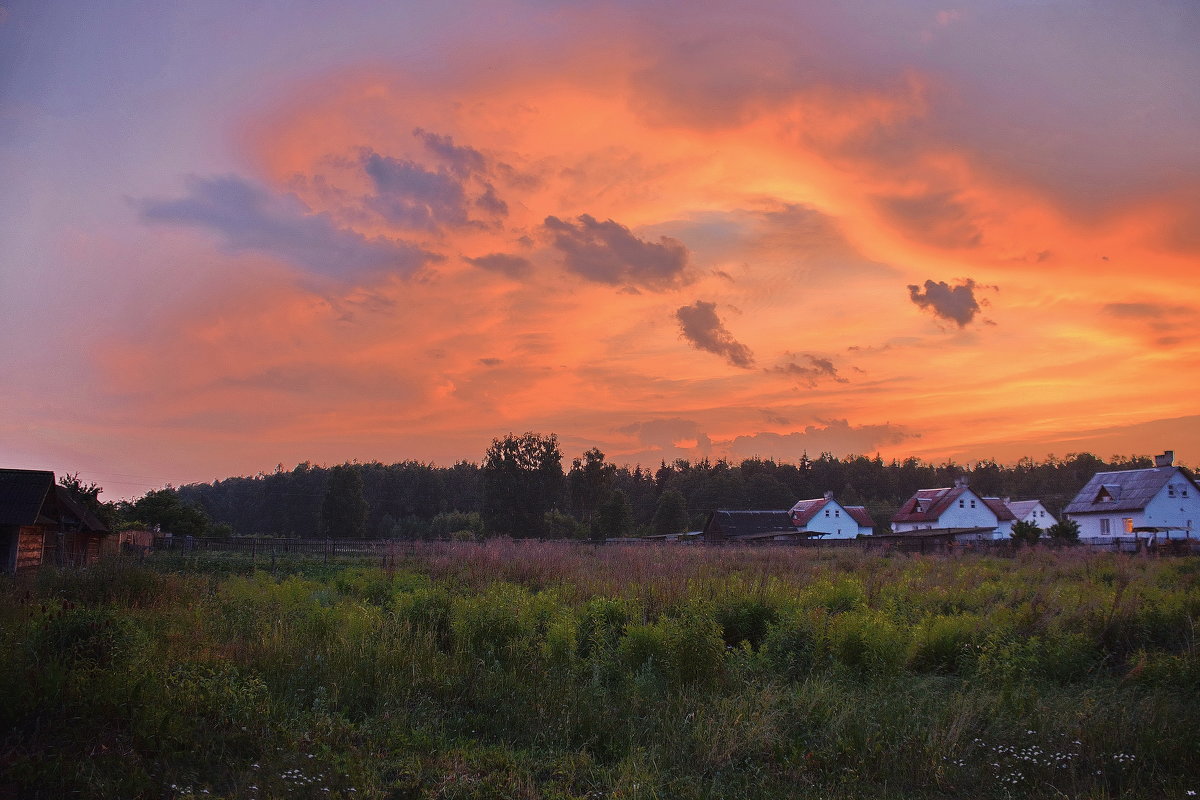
(671, 515)
(344, 512)
(522, 480)
(614, 517)
(1025, 532)
(164, 509)
(1066, 531)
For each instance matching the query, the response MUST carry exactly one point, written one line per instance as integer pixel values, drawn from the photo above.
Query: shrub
(83, 637)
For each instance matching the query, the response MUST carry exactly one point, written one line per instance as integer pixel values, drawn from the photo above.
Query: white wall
(832, 522)
(1162, 511)
(959, 516)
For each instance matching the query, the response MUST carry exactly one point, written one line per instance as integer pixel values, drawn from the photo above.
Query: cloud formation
(954, 303)
(249, 218)
(503, 263)
(702, 327)
(608, 252)
(937, 218)
(809, 374)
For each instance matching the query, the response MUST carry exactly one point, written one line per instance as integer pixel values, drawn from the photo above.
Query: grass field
(539, 670)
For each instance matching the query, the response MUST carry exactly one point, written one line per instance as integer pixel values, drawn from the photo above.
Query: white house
(827, 518)
(1031, 511)
(1161, 501)
(955, 508)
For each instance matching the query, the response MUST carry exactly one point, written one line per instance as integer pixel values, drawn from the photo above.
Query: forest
(522, 489)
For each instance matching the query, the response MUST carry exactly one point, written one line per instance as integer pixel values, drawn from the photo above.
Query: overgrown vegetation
(540, 670)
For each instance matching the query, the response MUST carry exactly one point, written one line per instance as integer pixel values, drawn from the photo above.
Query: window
(827, 512)
(837, 512)
(972, 504)
(1170, 490)
(962, 504)
(1104, 530)
(1128, 524)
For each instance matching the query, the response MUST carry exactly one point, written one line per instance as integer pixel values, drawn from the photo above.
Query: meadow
(564, 671)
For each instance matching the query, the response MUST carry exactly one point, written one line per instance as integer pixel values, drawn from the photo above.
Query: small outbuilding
(749, 526)
(44, 523)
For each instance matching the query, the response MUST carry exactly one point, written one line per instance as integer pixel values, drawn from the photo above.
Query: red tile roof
(927, 505)
(860, 515)
(805, 510)
(1001, 509)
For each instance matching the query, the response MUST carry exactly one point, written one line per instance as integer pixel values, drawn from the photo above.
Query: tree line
(522, 489)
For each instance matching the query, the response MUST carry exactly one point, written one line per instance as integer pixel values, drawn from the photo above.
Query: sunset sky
(237, 234)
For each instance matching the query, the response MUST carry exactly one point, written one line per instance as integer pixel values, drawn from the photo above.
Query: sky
(241, 234)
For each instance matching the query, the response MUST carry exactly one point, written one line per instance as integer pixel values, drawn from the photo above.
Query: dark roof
(1129, 489)
(928, 504)
(733, 524)
(70, 505)
(1000, 509)
(805, 510)
(860, 515)
(23, 492)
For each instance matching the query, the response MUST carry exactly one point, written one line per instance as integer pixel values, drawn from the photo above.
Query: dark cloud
(513, 266)
(937, 218)
(702, 327)
(249, 218)
(490, 203)
(407, 194)
(810, 373)
(608, 252)
(955, 303)
(835, 436)
(491, 362)
(460, 159)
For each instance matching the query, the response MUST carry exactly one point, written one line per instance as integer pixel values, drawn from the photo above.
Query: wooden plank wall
(30, 547)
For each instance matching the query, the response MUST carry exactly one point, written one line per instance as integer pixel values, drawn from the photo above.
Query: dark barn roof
(1129, 489)
(23, 492)
(31, 497)
(740, 524)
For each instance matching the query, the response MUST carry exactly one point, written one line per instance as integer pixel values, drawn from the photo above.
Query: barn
(44, 523)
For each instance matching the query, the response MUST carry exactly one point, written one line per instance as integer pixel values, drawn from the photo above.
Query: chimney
(1166, 459)
(829, 495)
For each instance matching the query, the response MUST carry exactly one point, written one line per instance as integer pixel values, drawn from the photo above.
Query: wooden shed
(44, 523)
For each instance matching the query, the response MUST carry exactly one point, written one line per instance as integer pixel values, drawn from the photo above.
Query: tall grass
(541, 670)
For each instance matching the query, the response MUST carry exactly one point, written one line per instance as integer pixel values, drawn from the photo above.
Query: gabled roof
(1022, 508)
(1000, 509)
(927, 505)
(1129, 490)
(23, 492)
(69, 503)
(804, 511)
(860, 515)
(734, 524)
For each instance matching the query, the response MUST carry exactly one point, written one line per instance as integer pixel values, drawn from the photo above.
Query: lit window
(1128, 524)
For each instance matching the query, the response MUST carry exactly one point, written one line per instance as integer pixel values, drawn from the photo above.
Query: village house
(44, 523)
(956, 509)
(1031, 511)
(827, 518)
(1160, 502)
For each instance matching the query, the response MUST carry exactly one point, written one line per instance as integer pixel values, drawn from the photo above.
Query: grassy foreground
(530, 670)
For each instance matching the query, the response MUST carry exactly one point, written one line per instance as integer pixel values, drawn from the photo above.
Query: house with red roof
(958, 509)
(827, 518)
